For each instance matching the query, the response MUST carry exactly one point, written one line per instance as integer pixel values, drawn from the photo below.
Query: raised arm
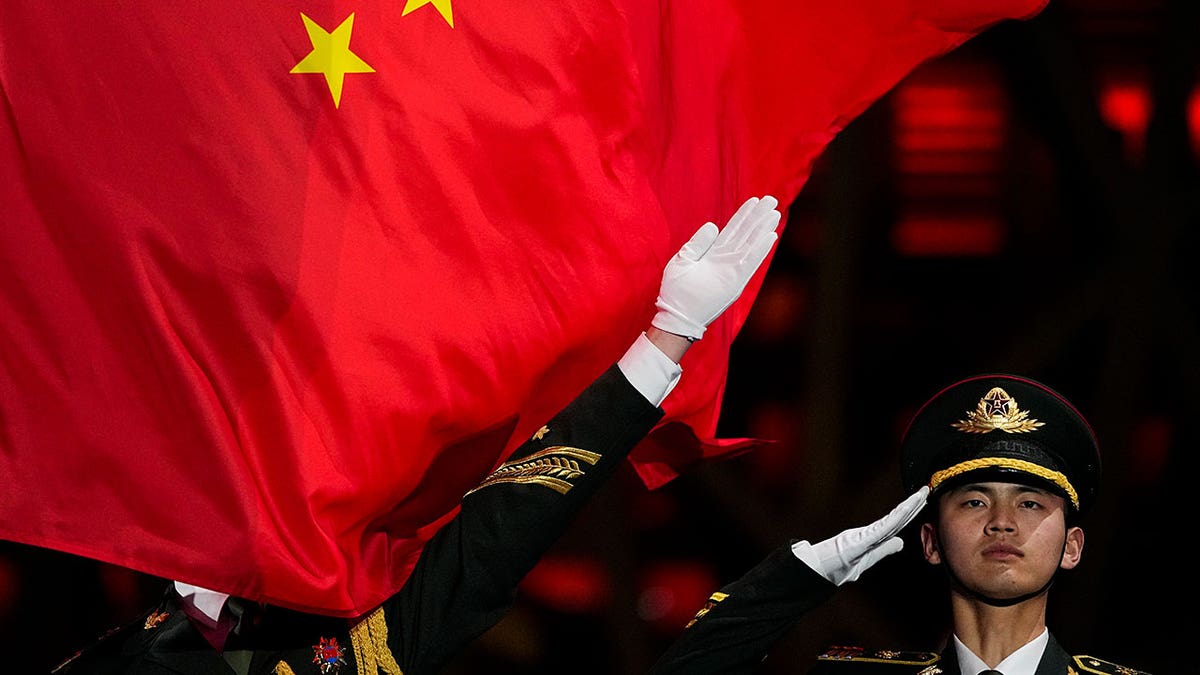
(736, 628)
(467, 575)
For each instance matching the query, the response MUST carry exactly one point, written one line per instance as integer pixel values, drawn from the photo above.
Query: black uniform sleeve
(467, 575)
(734, 631)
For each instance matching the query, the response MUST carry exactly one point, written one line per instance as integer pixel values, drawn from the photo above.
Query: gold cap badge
(997, 410)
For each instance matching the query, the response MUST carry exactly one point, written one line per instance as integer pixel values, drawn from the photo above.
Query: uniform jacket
(738, 625)
(464, 580)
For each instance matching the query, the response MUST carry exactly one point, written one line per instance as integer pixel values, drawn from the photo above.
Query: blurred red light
(1193, 120)
(1150, 448)
(569, 584)
(948, 235)
(654, 509)
(950, 130)
(1125, 106)
(781, 305)
(775, 464)
(949, 163)
(954, 140)
(121, 590)
(672, 592)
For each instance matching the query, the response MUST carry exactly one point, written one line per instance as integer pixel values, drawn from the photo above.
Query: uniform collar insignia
(156, 617)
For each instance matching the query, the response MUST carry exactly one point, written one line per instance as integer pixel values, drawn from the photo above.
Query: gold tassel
(369, 638)
(282, 668)
(360, 638)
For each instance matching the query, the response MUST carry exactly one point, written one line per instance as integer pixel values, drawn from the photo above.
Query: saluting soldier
(1008, 467)
(466, 576)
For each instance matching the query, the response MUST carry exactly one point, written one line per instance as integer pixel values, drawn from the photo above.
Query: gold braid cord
(282, 668)
(1006, 463)
(554, 467)
(369, 638)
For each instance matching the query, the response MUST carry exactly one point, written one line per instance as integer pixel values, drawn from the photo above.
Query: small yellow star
(442, 6)
(331, 55)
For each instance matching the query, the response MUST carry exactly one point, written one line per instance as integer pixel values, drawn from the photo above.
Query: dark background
(1026, 204)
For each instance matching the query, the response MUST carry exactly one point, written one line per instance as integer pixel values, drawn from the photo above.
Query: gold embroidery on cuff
(712, 602)
(554, 467)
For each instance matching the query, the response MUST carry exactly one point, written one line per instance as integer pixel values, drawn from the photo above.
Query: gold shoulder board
(862, 655)
(1091, 664)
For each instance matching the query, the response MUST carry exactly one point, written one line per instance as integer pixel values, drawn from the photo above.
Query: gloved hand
(712, 268)
(846, 556)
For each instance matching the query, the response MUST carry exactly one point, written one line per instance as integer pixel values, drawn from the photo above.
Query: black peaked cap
(1002, 427)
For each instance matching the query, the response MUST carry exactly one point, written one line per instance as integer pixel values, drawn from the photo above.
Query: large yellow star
(442, 6)
(331, 56)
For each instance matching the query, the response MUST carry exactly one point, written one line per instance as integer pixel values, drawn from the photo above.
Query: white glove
(710, 271)
(845, 557)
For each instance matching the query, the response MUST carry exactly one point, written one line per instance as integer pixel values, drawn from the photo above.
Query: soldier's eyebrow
(988, 489)
(980, 487)
(1024, 488)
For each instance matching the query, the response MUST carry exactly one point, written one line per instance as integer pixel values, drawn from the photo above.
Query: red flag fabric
(280, 282)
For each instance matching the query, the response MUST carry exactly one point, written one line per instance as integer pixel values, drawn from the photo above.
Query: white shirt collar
(208, 602)
(1024, 661)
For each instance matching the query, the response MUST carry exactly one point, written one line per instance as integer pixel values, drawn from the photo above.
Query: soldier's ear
(929, 544)
(1072, 548)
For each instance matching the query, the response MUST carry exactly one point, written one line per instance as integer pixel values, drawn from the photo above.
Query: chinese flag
(280, 281)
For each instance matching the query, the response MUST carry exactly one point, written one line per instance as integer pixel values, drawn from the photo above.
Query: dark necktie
(246, 614)
(990, 672)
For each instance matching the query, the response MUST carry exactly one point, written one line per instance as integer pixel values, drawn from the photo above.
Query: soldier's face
(1002, 540)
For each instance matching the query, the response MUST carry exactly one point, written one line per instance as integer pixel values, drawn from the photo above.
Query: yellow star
(442, 6)
(331, 55)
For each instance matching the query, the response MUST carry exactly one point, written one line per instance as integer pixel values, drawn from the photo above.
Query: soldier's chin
(1006, 596)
